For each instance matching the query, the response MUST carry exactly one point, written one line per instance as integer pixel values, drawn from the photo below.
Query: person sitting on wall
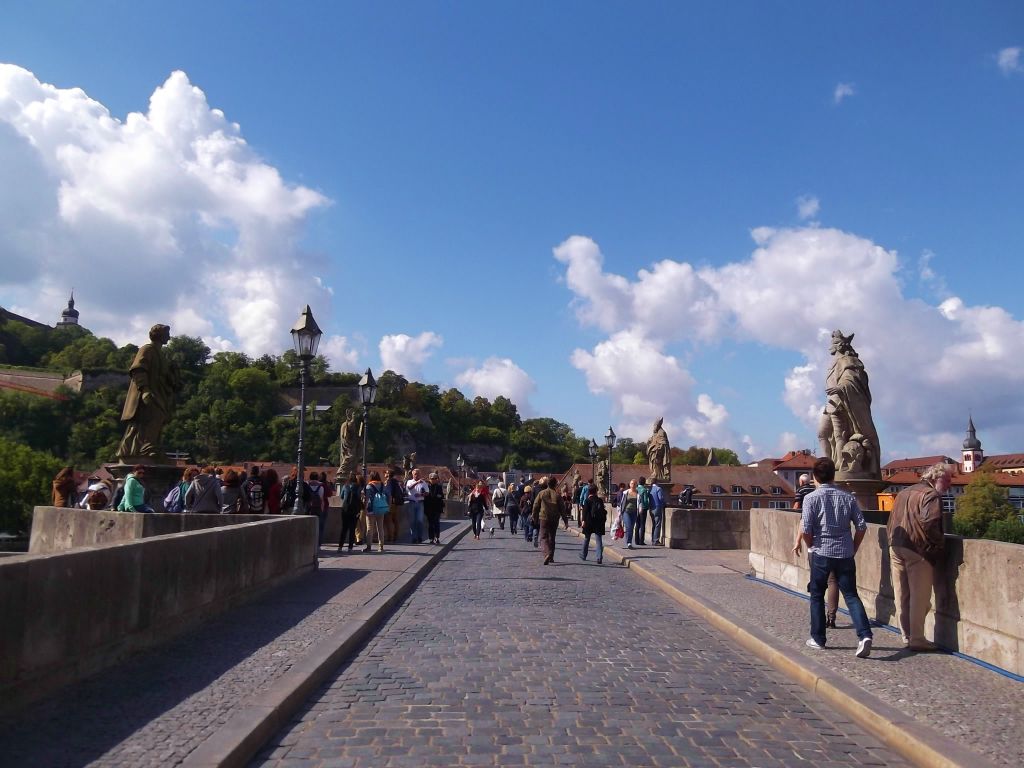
(134, 499)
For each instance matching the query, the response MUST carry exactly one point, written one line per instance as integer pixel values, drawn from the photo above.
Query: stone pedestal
(158, 481)
(865, 491)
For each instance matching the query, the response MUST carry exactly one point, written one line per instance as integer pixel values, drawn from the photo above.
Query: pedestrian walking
(526, 513)
(512, 500)
(547, 511)
(433, 507)
(832, 591)
(825, 520)
(375, 498)
(415, 492)
(478, 503)
(351, 504)
(916, 547)
(499, 499)
(643, 506)
(628, 509)
(396, 494)
(657, 515)
(593, 518)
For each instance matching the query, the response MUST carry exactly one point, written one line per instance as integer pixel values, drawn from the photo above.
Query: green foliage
(639, 458)
(25, 481)
(695, 456)
(1010, 530)
(488, 435)
(982, 504)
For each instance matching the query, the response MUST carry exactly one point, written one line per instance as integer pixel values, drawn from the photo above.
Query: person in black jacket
(433, 506)
(594, 517)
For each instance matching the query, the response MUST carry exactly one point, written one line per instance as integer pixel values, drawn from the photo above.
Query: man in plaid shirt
(826, 517)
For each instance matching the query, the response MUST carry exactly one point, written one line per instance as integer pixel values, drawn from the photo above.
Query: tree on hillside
(983, 503)
(695, 456)
(25, 478)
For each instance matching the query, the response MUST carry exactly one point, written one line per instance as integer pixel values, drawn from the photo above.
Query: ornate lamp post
(592, 451)
(609, 440)
(306, 338)
(460, 462)
(367, 394)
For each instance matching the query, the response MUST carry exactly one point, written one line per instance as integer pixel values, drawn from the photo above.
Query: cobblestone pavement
(159, 705)
(496, 660)
(978, 708)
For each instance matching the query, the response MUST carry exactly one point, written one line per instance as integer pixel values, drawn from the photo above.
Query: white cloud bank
(499, 376)
(166, 216)
(929, 364)
(405, 355)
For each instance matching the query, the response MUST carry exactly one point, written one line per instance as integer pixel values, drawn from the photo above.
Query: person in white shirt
(416, 490)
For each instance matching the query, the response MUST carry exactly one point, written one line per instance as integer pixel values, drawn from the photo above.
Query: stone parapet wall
(55, 529)
(69, 614)
(978, 601)
(707, 529)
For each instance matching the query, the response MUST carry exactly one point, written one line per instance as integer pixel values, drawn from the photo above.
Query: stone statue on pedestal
(659, 454)
(150, 401)
(602, 476)
(846, 432)
(351, 430)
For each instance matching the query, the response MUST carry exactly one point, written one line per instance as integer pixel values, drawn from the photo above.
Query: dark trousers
(548, 530)
(433, 525)
(513, 520)
(349, 521)
(641, 527)
(845, 569)
(657, 525)
(478, 522)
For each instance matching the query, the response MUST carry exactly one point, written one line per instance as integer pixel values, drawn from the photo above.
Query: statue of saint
(846, 432)
(659, 455)
(351, 430)
(602, 476)
(408, 462)
(150, 402)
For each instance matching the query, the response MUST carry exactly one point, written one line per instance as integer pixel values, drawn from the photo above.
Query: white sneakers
(864, 648)
(812, 643)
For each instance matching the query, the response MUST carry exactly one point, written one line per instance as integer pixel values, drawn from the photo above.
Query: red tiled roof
(702, 478)
(921, 461)
(799, 461)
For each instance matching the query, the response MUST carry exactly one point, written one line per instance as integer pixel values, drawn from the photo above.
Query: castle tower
(70, 315)
(973, 456)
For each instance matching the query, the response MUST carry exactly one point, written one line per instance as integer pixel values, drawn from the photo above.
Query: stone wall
(55, 529)
(69, 614)
(707, 529)
(978, 602)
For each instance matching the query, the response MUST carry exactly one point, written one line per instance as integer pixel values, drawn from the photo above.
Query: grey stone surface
(977, 708)
(497, 660)
(160, 705)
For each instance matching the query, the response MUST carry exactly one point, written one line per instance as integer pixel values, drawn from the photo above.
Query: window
(737, 504)
(717, 489)
(755, 504)
(776, 490)
(716, 504)
(777, 505)
(756, 489)
(700, 503)
(737, 489)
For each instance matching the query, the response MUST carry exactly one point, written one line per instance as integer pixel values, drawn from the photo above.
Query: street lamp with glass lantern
(609, 440)
(306, 338)
(367, 394)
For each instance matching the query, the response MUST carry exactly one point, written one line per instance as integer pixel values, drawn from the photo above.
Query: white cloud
(807, 207)
(340, 353)
(500, 376)
(928, 363)
(168, 215)
(406, 354)
(788, 441)
(842, 91)
(1008, 60)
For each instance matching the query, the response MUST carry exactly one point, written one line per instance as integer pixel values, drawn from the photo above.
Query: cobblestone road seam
(258, 719)
(919, 744)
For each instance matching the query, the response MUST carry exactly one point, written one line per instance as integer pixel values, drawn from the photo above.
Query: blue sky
(722, 183)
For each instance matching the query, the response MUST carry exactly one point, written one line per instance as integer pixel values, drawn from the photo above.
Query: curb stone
(258, 719)
(914, 741)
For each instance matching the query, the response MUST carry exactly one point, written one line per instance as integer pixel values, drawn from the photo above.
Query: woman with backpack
(499, 499)
(512, 497)
(375, 496)
(478, 503)
(351, 504)
(174, 501)
(233, 499)
(593, 516)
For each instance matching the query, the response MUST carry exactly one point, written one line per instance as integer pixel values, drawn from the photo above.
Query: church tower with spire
(973, 456)
(70, 315)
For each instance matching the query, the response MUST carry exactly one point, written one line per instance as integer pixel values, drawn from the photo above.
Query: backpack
(379, 502)
(314, 502)
(254, 495)
(644, 499)
(499, 499)
(174, 501)
(350, 498)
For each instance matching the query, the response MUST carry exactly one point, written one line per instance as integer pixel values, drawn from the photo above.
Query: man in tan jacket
(547, 511)
(916, 546)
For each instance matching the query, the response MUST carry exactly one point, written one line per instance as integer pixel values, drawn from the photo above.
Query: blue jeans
(600, 545)
(845, 569)
(628, 521)
(657, 522)
(640, 534)
(527, 528)
(416, 521)
(321, 522)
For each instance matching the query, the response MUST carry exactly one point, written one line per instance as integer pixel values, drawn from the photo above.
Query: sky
(608, 212)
